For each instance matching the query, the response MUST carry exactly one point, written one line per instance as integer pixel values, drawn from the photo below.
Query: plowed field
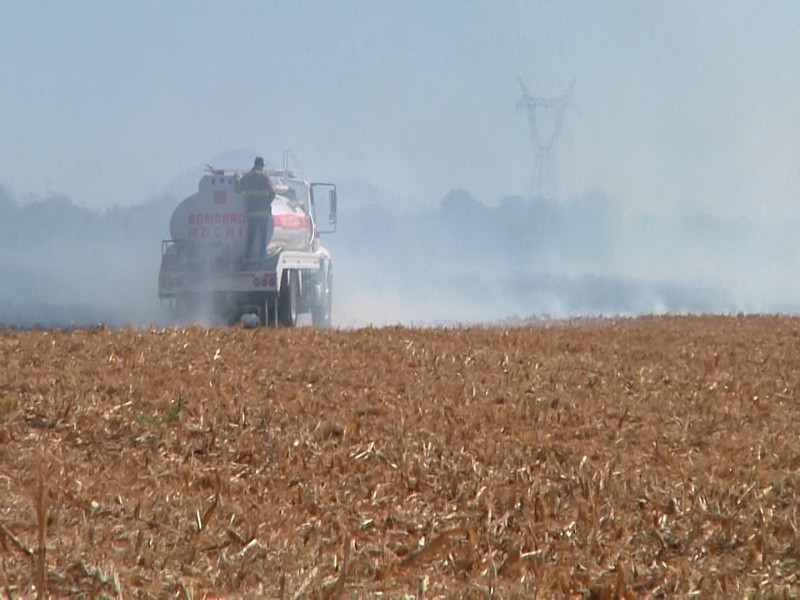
(654, 456)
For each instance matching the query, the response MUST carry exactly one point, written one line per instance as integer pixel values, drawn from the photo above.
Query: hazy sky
(677, 106)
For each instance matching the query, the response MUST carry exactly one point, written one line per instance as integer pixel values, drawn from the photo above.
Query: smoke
(67, 266)
(463, 262)
(525, 259)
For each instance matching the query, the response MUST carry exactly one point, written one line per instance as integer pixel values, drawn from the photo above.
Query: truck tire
(269, 315)
(287, 299)
(321, 313)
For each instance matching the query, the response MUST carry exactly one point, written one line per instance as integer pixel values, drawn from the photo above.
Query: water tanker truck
(204, 274)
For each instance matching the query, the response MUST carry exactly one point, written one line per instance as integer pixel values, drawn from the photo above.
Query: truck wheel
(321, 313)
(269, 316)
(287, 299)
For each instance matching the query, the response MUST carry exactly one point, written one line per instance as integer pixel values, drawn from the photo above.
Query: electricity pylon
(544, 146)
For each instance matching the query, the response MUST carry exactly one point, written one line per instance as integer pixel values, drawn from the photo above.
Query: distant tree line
(57, 219)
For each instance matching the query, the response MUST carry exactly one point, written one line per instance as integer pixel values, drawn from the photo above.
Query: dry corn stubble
(619, 459)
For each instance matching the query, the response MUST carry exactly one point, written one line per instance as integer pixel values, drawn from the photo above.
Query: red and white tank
(216, 214)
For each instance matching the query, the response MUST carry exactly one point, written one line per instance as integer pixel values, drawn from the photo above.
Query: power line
(544, 146)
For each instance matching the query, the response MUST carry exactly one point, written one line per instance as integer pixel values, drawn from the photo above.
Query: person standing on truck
(258, 193)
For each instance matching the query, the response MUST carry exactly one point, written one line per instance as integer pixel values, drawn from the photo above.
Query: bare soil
(629, 458)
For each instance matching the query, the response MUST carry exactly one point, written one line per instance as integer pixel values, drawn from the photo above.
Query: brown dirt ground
(654, 456)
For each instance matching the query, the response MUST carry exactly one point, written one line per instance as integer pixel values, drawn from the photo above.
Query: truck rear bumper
(171, 283)
(174, 281)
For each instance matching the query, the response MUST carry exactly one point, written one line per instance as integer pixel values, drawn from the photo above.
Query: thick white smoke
(460, 263)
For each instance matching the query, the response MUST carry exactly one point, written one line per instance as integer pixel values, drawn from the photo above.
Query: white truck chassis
(204, 277)
(278, 288)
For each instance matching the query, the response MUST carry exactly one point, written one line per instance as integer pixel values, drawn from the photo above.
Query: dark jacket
(258, 193)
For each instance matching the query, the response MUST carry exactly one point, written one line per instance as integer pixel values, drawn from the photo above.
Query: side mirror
(332, 202)
(331, 188)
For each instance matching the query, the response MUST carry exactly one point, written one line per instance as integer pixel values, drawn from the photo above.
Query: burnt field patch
(651, 456)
